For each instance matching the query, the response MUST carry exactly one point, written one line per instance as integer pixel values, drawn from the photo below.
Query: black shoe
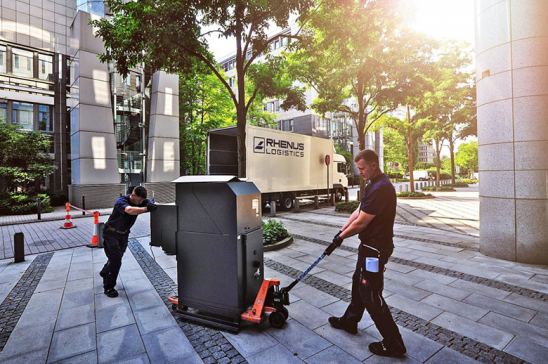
(394, 351)
(341, 324)
(111, 292)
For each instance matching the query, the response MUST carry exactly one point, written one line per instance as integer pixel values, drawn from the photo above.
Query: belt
(109, 228)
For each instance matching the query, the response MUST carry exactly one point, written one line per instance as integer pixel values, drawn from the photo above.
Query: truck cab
(340, 181)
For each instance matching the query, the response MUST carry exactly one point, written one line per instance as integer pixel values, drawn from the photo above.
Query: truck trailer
(283, 165)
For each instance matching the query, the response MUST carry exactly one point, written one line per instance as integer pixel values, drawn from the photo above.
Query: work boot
(342, 324)
(396, 350)
(111, 292)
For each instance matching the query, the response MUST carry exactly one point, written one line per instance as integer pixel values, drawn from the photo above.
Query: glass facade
(3, 112)
(3, 54)
(22, 62)
(91, 6)
(45, 118)
(45, 67)
(22, 115)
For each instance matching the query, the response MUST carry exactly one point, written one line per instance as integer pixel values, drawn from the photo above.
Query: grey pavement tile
(86, 358)
(307, 314)
(72, 299)
(42, 309)
(474, 330)
(103, 301)
(111, 317)
(170, 345)
(527, 302)
(504, 308)
(468, 311)
(540, 320)
(402, 277)
(138, 359)
(27, 339)
(450, 356)
(481, 289)
(332, 355)
(418, 346)
(120, 343)
(355, 345)
(299, 339)
(71, 342)
(444, 289)
(79, 284)
(382, 360)
(528, 350)
(137, 285)
(75, 316)
(339, 308)
(312, 295)
(153, 319)
(419, 309)
(276, 354)
(141, 300)
(399, 267)
(516, 327)
(34, 356)
(78, 273)
(405, 290)
(334, 278)
(251, 341)
(48, 285)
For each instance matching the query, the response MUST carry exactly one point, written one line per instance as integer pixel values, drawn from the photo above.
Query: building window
(22, 62)
(45, 67)
(44, 118)
(287, 125)
(2, 59)
(138, 82)
(277, 105)
(3, 112)
(22, 115)
(231, 81)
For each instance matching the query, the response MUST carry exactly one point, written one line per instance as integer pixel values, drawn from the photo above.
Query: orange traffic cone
(68, 220)
(95, 237)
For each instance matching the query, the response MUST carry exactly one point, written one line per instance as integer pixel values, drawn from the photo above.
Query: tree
(167, 34)
(467, 157)
(394, 149)
(24, 160)
(348, 53)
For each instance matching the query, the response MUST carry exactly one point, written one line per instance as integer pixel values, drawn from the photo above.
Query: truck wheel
(287, 203)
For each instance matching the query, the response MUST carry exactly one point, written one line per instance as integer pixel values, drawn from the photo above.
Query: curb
(279, 245)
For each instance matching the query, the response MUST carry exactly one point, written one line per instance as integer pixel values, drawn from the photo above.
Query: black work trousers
(115, 246)
(367, 290)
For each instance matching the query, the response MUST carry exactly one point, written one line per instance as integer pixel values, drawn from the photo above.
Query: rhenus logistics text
(279, 147)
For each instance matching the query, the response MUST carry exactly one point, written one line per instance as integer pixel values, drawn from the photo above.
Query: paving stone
(170, 345)
(477, 331)
(355, 345)
(34, 356)
(119, 343)
(406, 290)
(444, 289)
(75, 316)
(419, 309)
(71, 342)
(339, 308)
(250, 341)
(112, 317)
(418, 346)
(308, 315)
(144, 299)
(332, 355)
(139, 359)
(516, 327)
(24, 339)
(528, 350)
(42, 309)
(335, 278)
(312, 296)
(450, 356)
(86, 358)
(276, 354)
(381, 360)
(153, 319)
(504, 308)
(470, 312)
(479, 288)
(48, 285)
(527, 302)
(299, 339)
(540, 320)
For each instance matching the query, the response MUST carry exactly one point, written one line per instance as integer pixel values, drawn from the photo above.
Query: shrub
(349, 206)
(414, 194)
(442, 188)
(469, 181)
(459, 184)
(273, 231)
(394, 175)
(21, 203)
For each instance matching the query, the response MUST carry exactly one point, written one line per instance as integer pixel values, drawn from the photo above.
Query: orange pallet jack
(270, 301)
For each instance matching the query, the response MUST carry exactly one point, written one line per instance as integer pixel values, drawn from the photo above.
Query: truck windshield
(341, 167)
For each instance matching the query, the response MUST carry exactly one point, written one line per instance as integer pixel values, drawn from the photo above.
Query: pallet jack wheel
(284, 312)
(277, 319)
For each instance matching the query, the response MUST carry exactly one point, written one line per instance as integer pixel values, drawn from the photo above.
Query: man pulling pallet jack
(373, 220)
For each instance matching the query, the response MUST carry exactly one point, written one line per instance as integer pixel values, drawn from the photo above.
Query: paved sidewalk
(57, 214)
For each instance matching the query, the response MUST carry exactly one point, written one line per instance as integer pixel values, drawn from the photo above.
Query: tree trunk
(410, 151)
(240, 78)
(452, 154)
(438, 161)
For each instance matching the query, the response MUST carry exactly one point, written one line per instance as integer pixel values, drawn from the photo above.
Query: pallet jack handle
(304, 274)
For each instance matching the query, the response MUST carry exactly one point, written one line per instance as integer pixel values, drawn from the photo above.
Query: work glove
(151, 207)
(337, 241)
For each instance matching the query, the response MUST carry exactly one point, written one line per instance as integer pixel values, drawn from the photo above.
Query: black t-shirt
(119, 219)
(379, 199)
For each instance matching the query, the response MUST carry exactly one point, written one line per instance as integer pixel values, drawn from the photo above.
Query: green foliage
(468, 181)
(16, 203)
(459, 184)
(395, 150)
(273, 232)
(406, 194)
(23, 158)
(467, 157)
(349, 206)
(444, 174)
(442, 188)
(424, 165)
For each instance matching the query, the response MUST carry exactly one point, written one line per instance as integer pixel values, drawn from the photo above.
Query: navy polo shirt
(379, 199)
(119, 219)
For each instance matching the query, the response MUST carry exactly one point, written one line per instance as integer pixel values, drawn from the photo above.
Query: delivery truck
(283, 165)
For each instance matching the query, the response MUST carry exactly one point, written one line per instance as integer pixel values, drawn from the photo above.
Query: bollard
(39, 208)
(399, 188)
(346, 196)
(18, 247)
(333, 199)
(273, 208)
(357, 195)
(95, 237)
(296, 205)
(68, 220)
(416, 186)
(316, 202)
(83, 205)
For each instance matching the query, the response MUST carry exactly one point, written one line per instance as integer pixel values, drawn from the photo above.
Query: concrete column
(512, 99)
(163, 130)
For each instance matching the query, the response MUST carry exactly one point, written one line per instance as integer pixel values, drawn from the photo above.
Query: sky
(441, 19)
